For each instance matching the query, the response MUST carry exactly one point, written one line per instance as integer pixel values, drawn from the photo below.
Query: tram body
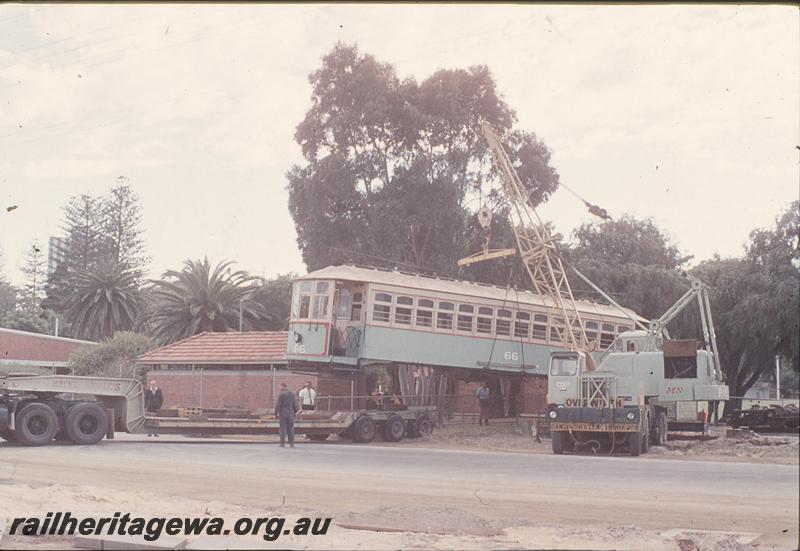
(349, 317)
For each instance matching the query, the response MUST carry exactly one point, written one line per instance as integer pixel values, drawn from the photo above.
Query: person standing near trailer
(285, 410)
(483, 399)
(308, 397)
(153, 399)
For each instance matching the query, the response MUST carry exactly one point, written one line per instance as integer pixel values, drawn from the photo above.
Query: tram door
(348, 319)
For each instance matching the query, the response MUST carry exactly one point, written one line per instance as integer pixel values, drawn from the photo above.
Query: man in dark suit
(285, 410)
(153, 399)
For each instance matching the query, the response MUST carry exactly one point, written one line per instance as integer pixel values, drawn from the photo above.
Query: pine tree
(35, 277)
(83, 227)
(121, 225)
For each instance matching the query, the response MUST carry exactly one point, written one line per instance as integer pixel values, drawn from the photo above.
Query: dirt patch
(736, 445)
(434, 520)
(721, 444)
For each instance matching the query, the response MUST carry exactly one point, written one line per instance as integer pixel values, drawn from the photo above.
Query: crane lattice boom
(538, 252)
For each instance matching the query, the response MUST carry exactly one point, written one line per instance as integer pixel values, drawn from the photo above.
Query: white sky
(687, 114)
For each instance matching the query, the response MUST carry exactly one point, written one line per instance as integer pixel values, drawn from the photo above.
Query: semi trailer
(37, 410)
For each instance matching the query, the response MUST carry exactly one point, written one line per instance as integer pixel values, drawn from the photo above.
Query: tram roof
(411, 280)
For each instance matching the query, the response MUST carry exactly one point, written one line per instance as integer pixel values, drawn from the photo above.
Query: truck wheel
(36, 424)
(558, 442)
(364, 430)
(635, 443)
(86, 423)
(318, 437)
(394, 428)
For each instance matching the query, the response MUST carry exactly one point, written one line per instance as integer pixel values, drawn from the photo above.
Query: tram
(348, 317)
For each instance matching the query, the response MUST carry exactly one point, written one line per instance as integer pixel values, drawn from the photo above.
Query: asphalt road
(341, 478)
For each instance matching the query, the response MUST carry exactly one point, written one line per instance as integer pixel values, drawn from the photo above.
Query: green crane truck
(624, 400)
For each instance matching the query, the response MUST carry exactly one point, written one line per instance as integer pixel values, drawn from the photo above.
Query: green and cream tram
(348, 316)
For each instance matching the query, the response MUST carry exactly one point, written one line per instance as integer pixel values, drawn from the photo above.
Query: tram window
(402, 312)
(485, 319)
(343, 310)
(304, 300)
(522, 325)
(382, 309)
(606, 335)
(555, 333)
(424, 313)
(540, 327)
(355, 311)
(320, 307)
(444, 316)
(305, 305)
(322, 288)
(503, 326)
(465, 317)
(622, 329)
(591, 331)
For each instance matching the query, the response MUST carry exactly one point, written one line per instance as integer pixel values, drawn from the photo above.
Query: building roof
(248, 348)
(466, 288)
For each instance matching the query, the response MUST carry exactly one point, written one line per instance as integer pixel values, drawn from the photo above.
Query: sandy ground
(420, 527)
(741, 445)
(184, 477)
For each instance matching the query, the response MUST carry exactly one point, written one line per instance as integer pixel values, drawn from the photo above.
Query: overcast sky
(689, 115)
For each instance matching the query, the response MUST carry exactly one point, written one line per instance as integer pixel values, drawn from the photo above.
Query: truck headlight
(630, 415)
(552, 414)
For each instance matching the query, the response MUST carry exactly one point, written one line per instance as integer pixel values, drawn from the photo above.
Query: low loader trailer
(37, 410)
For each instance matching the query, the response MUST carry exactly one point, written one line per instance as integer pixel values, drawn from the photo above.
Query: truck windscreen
(564, 366)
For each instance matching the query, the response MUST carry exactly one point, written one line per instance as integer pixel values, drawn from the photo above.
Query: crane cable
(593, 209)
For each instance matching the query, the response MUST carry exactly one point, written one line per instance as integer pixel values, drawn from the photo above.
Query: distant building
(56, 253)
(22, 351)
(233, 371)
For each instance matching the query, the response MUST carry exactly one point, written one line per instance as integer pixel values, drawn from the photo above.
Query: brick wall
(18, 345)
(530, 396)
(246, 389)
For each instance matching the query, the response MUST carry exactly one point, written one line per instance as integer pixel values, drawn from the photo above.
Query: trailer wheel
(36, 424)
(394, 428)
(364, 429)
(558, 442)
(86, 423)
(424, 425)
(635, 443)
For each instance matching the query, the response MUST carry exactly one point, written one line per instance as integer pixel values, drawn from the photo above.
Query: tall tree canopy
(102, 237)
(392, 163)
(634, 262)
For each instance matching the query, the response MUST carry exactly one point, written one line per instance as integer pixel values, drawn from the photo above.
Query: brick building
(24, 351)
(233, 371)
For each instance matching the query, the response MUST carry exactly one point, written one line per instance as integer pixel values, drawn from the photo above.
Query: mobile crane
(625, 398)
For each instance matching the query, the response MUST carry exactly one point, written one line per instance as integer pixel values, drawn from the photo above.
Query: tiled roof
(250, 347)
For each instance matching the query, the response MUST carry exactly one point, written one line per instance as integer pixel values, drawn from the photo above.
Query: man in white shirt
(308, 397)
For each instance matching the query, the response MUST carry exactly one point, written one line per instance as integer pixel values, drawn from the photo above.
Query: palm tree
(103, 299)
(199, 298)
